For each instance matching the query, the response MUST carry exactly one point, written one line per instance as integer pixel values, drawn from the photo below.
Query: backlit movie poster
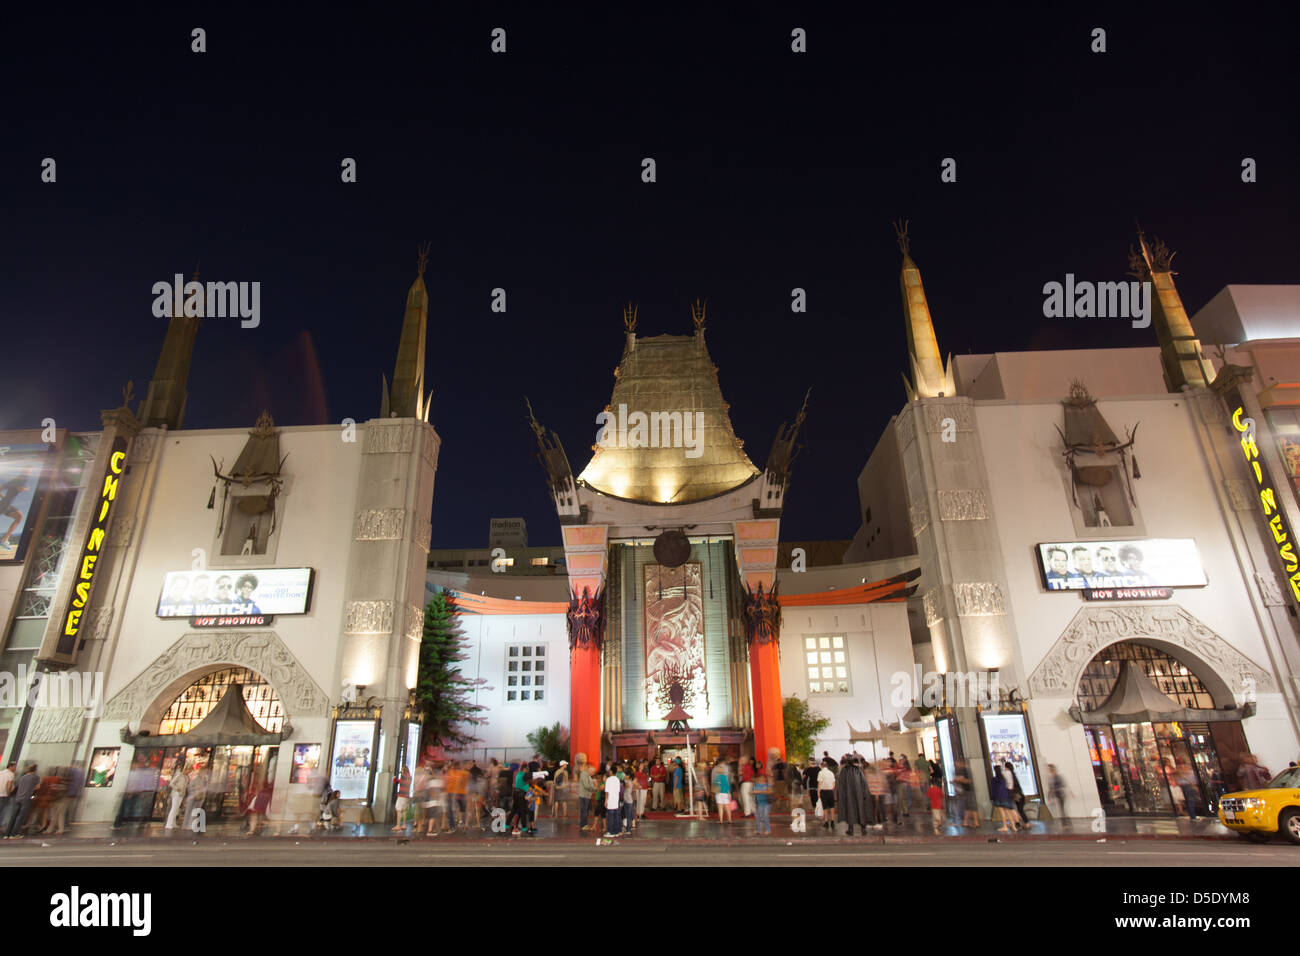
(1153, 562)
(350, 768)
(674, 638)
(20, 472)
(256, 591)
(1009, 743)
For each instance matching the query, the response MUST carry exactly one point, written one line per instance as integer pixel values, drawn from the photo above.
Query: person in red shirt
(747, 786)
(658, 777)
(642, 788)
(935, 793)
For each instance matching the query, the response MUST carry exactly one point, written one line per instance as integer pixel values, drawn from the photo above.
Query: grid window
(525, 665)
(1170, 675)
(197, 701)
(826, 663)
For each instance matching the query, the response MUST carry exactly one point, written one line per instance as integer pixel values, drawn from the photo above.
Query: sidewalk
(915, 829)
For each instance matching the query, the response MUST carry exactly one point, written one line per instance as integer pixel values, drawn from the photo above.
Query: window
(525, 672)
(200, 697)
(1170, 675)
(1105, 505)
(826, 664)
(541, 562)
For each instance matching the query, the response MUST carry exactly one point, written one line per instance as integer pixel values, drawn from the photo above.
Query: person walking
(970, 814)
(629, 800)
(763, 796)
(73, 782)
(1056, 793)
(747, 786)
(851, 795)
(1002, 805)
(826, 791)
(24, 795)
(519, 811)
(8, 781)
(457, 791)
(1252, 774)
(1187, 782)
(586, 788)
(178, 788)
(1017, 795)
(722, 788)
(436, 808)
(877, 788)
(47, 794)
(198, 793)
(613, 804)
(810, 783)
(935, 793)
(679, 783)
(403, 803)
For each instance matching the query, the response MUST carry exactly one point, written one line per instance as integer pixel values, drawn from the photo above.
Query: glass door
(1144, 770)
(1105, 769)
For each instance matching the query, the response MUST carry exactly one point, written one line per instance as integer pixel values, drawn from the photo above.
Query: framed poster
(944, 729)
(103, 764)
(411, 755)
(239, 593)
(1007, 740)
(352, 758)
(20, 473)
(306, 761)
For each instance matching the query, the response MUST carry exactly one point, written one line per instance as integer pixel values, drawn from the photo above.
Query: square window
(523, 695)
(539, 681)
(828, 672)
(826, 657)
(514, 652)
(839, 657)
(812, 657)
(512, 681)
(812, 672)
(841, 672)
(528, 665)
(527, 680)
(825, 642)
(837, 642)
(537, 695)
(539, 665)
(814, 688)
(514, 665)
(510, 695)
(844, 688)
(810, 643)
(539, 650)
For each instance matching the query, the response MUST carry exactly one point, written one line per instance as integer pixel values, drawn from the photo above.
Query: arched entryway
(227, 746)
(1156, 734)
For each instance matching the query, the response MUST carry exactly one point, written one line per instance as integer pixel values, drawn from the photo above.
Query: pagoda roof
(668, 374)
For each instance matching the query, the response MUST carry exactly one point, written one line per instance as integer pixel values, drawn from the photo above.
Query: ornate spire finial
(424, 258)
(697, 313)
(629, 318)
(900, 231)
(128, 394)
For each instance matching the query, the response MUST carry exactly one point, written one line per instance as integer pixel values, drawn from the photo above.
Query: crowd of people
(32, 801)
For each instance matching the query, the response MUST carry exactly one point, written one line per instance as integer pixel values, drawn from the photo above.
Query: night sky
(523, 170)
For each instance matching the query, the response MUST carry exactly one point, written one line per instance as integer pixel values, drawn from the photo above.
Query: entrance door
(1143, 769)
(1105, 768)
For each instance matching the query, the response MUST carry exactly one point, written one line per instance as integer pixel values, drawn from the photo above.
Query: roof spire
(697, 313)
(629, 318)
(1183, 362)
(164, 402)
(405, 399)
(932, 378)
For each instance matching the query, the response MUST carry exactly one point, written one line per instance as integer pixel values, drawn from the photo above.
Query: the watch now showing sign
(235, 598)
(1141, 569)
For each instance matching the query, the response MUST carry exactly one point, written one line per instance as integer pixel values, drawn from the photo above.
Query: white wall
(879, 645)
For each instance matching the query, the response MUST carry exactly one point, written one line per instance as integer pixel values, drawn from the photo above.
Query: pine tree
(441, 691)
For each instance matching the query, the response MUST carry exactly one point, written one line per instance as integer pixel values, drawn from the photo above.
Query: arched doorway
(1158, 766)
(228, 750)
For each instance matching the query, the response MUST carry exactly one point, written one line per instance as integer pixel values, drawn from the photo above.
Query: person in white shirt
(826, 790)
(7, 778)
(613, 805)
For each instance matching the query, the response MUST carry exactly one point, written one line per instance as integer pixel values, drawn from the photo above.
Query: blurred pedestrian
(178, 788)
(586, 789)
(722, 790)
(1056, 793)
(560, 803)
(826, 791)
(24, 794)
(763, 796)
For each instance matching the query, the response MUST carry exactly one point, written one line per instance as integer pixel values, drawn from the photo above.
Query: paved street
(630, 852)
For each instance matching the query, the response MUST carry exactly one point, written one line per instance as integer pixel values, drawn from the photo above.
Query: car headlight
(1252, 803)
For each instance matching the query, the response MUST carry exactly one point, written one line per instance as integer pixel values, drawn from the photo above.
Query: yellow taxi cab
(1275, 808)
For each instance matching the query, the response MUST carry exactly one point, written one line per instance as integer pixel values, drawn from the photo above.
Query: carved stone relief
(369, 617)
(1269, 590)
(933, 604)
(963, 505)
(123, 530)
(906, 427)
(958, 412)
(1239, 494)
(56, 725)
(1094, 628)
(260, 651)
(979, 599)
(96, 623)
(386, 439)
(919, 516)
(383, 524)
(414, 622)
(143, 448)
(431, 447)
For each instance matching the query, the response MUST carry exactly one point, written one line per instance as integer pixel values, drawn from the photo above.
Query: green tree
(441, 691)
(552, 743)
(802, 727)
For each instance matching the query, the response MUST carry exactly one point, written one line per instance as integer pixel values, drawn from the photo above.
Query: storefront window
(1172, 676)
(201, 696)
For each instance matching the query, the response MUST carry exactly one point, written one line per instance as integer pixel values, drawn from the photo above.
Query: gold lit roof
(666, 374)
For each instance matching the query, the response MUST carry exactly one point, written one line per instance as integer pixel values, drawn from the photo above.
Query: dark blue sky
(775, 170)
